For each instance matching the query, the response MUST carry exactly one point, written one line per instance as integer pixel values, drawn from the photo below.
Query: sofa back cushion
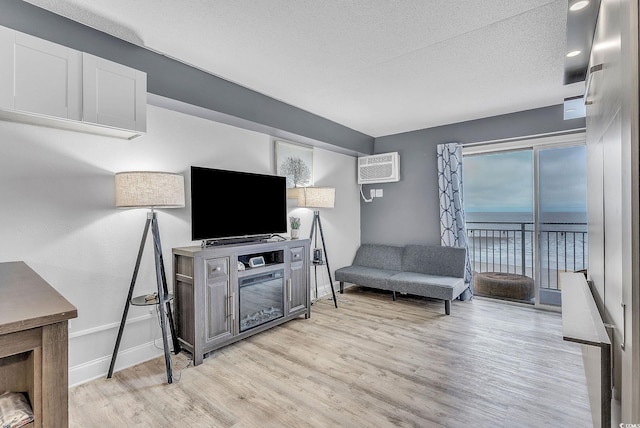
(434, 260)
(379, 256)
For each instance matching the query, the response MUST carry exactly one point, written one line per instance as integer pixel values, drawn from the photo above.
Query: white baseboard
(98, 368)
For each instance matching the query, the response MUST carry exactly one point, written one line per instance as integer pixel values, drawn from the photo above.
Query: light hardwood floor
(372, 362)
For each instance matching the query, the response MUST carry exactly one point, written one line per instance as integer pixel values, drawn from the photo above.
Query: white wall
(341, 224)
(57, 214)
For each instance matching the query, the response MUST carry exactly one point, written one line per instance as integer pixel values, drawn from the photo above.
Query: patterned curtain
(453, 232)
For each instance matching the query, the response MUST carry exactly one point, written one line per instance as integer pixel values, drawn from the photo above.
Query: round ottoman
(504, 285)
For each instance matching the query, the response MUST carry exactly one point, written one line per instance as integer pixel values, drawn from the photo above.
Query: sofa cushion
(421, 284)
(434, 260)
(362, 275)
(377, 256)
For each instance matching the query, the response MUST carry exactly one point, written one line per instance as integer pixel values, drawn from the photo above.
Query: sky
(503, 182)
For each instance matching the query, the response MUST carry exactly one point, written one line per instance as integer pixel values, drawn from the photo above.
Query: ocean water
(496, 241)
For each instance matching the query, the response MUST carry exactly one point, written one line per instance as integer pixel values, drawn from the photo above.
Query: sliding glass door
(526, 219)
(499, 207)
(561, 217)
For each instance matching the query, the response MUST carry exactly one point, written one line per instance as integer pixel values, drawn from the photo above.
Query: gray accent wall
(172, 79)
(409, 213)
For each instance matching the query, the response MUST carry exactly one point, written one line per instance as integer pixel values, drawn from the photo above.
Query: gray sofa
(422, 270)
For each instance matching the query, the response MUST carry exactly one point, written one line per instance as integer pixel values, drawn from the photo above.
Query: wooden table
(34, 342)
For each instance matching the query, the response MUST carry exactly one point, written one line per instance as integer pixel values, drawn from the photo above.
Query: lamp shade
(313, 197)
(151, 189)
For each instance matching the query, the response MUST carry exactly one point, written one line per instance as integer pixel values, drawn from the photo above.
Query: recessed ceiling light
(573, 53)
(580, 4)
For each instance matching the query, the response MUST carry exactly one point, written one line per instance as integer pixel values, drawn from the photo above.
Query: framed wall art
(295, 162)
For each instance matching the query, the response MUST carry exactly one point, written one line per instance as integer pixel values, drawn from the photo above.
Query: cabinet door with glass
(297, 289)
(221, 307)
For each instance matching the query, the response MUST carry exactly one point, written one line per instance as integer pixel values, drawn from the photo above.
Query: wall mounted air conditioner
(382, 168)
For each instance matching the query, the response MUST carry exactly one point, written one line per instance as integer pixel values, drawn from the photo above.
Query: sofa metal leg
(394, 296)
(447, 307)
(341, 287)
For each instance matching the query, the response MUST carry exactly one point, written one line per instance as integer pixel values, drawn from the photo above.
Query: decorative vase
(295, 233)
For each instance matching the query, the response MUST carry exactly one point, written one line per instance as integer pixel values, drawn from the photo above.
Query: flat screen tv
(232, 204)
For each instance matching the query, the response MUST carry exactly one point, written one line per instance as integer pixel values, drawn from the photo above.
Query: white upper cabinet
(113, 94)
(39, 77)
(44, 83)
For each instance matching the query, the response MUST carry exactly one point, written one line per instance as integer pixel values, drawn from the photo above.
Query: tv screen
(229, 204)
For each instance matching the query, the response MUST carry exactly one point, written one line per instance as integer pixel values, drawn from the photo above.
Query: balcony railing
(509, 247)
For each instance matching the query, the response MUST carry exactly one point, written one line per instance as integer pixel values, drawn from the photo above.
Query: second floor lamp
(318, 197)
(150, 189)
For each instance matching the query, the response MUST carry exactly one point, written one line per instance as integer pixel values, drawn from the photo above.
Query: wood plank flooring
(372, 362)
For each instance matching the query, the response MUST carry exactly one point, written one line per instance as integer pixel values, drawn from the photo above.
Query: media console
(227, 293)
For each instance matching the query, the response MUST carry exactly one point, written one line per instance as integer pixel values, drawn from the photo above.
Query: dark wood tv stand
(34, 343)
(217, 303)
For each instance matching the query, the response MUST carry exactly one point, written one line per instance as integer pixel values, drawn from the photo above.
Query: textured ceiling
(378, 66)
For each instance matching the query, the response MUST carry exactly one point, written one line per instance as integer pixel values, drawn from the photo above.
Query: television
(231, 204)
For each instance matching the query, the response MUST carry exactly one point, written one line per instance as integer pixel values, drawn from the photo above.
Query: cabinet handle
(587, 100)
(230, 307)
(289, 287)
(624, 324)
(233, 306)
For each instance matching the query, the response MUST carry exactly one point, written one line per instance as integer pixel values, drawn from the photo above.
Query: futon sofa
(424, 270)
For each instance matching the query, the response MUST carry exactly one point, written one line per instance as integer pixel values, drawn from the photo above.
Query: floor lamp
(150, 189)
(318, 197)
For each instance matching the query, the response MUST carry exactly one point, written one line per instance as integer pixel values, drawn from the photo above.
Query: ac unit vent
(382, 168)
